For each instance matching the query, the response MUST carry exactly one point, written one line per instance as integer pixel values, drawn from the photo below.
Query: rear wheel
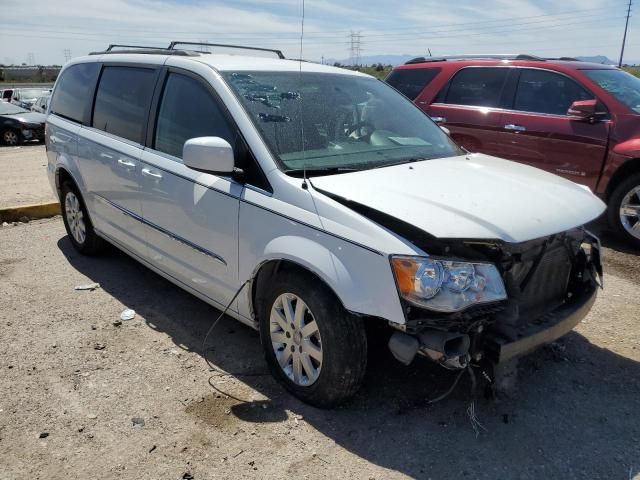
(11, 137)
(77, 222)
(313, 347)
(624, 210)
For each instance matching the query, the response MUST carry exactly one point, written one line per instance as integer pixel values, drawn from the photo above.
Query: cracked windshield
(329, 122)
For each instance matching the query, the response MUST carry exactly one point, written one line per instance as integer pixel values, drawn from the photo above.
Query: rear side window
(542, 91)
(477, 86)
(411, 82)
(74, 92)
(122, 101)
(188, 110)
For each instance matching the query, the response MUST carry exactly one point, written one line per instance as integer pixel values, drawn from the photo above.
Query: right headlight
(446, 285)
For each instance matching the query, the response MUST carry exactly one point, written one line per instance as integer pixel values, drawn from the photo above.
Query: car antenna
(304, 163)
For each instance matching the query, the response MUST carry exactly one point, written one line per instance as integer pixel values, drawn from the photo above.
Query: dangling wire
(304, 160)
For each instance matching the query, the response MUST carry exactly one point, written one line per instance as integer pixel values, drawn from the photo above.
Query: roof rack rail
(493, 56)
(172, 46)
(116, 45)
(141, 49)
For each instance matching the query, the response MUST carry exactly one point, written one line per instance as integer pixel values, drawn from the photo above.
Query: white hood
(474, 196)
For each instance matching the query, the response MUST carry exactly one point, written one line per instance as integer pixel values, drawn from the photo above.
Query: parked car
(18, 124)
(575, 119)
(41, 104)
(7, 94)
(311, 201)
(26, 97)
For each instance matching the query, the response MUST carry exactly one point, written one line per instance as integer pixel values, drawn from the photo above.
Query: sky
(40, 31)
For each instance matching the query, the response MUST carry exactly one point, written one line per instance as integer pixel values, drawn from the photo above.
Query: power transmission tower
(205, 48)
(31, 58)
(624, 37)
(355, 47)
(67, 55)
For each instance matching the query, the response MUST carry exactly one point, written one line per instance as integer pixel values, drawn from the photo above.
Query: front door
(191, 218)
(537, 131)
(469, 106)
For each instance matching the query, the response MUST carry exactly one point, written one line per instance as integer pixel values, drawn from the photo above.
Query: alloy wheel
(10, 137)
(630, 212)
(296, 339)
(75, 217)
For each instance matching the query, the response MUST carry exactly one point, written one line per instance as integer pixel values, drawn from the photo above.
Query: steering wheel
(357, 128)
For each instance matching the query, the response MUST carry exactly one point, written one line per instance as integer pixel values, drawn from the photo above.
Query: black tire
(92, 243)
(343, 341)
(613, 212)
(12, 137)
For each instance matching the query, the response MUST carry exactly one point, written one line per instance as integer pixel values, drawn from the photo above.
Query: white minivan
(312, 202)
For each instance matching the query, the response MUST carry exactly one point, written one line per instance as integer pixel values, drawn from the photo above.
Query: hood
(471, 197)
(29, 117)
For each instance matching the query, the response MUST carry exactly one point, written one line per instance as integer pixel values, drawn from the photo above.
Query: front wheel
(624, 210)
(11, 137)
(313, 347)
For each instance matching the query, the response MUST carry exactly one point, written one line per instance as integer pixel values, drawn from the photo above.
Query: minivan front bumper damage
(552, 284)
(550, 327)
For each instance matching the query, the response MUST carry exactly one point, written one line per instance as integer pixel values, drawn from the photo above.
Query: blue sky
(547, 28)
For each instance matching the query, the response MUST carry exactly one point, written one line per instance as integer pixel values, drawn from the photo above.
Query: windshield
(10, 109)
(622, 85)
(325, 121)
(31, 92)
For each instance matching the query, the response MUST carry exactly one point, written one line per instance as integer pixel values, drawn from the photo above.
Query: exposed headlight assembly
(444, 285)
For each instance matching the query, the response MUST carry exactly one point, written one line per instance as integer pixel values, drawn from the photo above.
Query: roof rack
(143, 49)
(172, 46)
(508, 56)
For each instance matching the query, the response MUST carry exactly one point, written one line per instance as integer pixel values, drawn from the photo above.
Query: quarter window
(477, 86)
(74, 92)
(188, 110)
(541, 91)
(122, 101)
(411, 82)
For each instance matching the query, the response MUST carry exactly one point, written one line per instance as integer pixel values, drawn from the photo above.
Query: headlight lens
(446, 286)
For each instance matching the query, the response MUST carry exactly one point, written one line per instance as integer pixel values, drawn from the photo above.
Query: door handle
(126, 163)
(107, 156)
(515, 128)
(149, 173)
(439, 119)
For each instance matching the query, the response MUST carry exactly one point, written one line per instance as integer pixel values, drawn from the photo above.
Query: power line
(624, 37)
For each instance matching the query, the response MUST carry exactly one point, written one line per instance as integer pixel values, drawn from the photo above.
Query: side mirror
(584, 110)
(208, 155)
(445, 130)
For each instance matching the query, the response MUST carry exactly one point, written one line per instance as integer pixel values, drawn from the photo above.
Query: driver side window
(188, 110)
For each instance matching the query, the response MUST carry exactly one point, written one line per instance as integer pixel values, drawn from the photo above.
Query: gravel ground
(73, 380)
(24, 176)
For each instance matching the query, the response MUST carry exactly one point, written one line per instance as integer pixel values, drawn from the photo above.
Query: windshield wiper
(320, 171)
(401, 162)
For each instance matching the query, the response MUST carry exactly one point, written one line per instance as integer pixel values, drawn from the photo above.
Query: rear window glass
(122, 101)
(73, 94)
(477, 86)
(411, 82)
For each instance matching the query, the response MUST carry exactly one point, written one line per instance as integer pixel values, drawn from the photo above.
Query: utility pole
(624, 38)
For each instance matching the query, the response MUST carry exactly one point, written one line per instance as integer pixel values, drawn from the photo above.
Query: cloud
(543, 27)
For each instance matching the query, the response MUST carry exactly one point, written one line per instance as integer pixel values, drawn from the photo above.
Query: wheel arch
(269, 269)
(629, 167)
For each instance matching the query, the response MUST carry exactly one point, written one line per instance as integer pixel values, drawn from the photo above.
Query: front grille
(541, 283)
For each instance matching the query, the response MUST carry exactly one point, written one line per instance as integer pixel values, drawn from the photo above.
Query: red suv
(576, 119)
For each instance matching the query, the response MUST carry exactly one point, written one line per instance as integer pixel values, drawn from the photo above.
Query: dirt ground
(23, 178)
(85, 397)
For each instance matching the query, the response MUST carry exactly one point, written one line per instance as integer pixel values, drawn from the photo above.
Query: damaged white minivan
(311, 200)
